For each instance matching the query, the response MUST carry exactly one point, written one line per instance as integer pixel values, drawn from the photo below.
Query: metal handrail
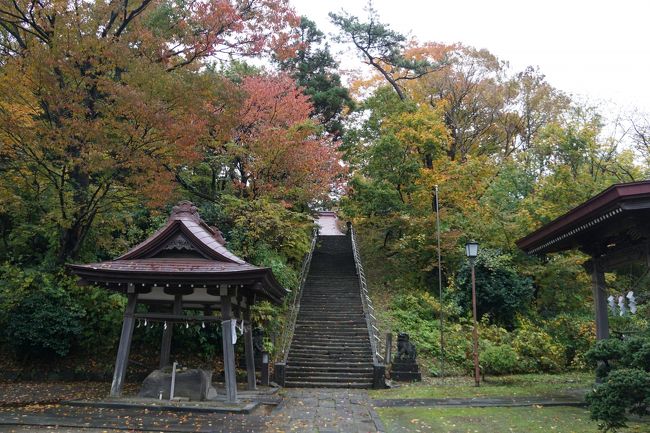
(290, 326)
(368, 309)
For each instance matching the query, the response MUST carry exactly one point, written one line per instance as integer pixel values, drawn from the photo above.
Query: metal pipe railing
(368, 309)
(290, 325)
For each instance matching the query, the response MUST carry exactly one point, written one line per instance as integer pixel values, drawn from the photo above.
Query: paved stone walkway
(302, 410)
(325, 411)
(84, 419)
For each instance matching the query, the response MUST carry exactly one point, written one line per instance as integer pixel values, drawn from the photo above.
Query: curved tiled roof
(588, 224)
(170, 265)
(184, 250)
(185, 217)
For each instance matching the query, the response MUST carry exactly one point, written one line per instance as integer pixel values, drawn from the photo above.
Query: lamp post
(471, 250)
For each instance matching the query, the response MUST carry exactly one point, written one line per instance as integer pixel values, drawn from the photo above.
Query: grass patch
(494, 420)
(523, 385)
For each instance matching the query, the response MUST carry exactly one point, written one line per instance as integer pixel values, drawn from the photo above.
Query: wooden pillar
(228, 347)
(124, 348)
(248, 349)
(598, 288)
(166, 345)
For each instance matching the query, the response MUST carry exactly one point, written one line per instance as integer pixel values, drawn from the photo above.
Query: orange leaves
(200, 29)
(282, 152)
(274, 101)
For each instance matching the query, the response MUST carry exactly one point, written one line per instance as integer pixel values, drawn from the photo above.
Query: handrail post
(365, 300)
(378, 368)
(293, 313)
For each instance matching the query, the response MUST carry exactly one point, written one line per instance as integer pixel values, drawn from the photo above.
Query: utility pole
(442, 338)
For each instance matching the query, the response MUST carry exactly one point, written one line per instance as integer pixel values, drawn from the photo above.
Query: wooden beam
(124, 348)
(248, 349)
(166, 344)
(228, 350)
(625, 255)
(180, 318)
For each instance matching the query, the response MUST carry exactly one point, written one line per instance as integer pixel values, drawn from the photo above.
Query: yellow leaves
(422, 128)
(461, 183)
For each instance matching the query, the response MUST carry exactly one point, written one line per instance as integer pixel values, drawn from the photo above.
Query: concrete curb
(476, 402)
(243, 409)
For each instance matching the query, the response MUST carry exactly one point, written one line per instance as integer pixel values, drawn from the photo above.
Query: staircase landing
(328, 224)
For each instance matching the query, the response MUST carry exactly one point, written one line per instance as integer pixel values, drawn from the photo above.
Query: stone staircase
(330, 346)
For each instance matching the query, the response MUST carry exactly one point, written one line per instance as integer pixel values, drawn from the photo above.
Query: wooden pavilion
(612, 227)
(185, 266)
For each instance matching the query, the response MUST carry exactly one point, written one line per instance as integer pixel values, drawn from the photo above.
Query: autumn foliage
(106, 105)
(287, 156)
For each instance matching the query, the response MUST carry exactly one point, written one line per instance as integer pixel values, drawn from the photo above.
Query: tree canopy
(110, 112)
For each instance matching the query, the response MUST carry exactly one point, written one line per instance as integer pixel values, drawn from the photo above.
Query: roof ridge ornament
(185, 208)
(218, 235)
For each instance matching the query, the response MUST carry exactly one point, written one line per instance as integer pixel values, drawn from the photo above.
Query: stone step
(327, 350)
(297, 358)
(337, 340)
(334, 329)
(331, 301)
(349, 364)
(331, 379)
(360, 348)
(354, 320)
(327, 301)
(330, 357)
(344, 308)
(310, 384)
(329, 376)
(331, 371)
(332, 341)
(330, 368)
(334, 278)
(320, 339)
(329, 283)
(340, 327)
(353, 315)
(327, 336)
(313, 325)
(324, 337)
(331, 296)
(330, 312)
(352, 293)
(330, 315)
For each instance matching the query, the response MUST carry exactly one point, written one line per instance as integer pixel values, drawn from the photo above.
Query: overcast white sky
(596, 49)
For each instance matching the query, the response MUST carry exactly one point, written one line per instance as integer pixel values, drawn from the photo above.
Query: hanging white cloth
(234, 327)
(621, 306)
(233, 331)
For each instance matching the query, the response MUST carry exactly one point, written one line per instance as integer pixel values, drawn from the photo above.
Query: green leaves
(500, 291)
(314, 69)
(381, 47)
(625, 367)
(624, 390)
(45, 322)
